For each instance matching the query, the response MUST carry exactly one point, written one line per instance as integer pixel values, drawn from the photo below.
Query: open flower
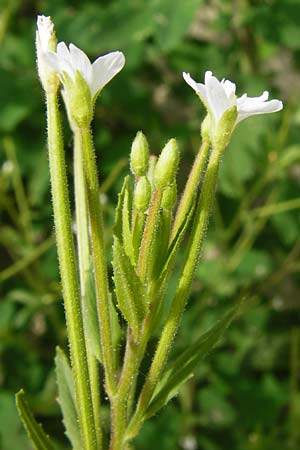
(219, 97)
(68, 61)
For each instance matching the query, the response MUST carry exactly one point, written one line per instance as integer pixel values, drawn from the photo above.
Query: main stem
(182, 292)
(69, 275)
(83, 248)
(100, 267)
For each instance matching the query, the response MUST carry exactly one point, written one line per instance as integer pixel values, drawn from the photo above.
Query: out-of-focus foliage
(245, 395)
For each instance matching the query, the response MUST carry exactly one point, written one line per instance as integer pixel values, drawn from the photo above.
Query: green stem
(94, 373)
(83, 246)
(69, 276)
(134, 354)
(147, 246)
(101, 278)
(191, 188)
(198, 232)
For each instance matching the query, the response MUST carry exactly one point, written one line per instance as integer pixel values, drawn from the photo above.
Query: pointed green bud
(139, 156)
(225, 128)
(142, 194)
(169, 197)
(167, 164)
(78, 100)
(151, 169)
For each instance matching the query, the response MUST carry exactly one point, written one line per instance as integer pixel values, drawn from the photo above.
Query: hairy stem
(191, 187)
(69, 275)
(100, 267)
(84, 259)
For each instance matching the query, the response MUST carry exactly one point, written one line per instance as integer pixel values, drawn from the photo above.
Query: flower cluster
(79, 76)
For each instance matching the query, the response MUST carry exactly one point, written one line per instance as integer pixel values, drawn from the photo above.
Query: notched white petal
(45, 30)
(217, 99)
(104, 69)
(81, 62)
(199, 88)
(252, 107)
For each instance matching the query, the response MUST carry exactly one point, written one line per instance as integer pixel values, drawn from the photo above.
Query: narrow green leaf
(37, 435)
(90, 315)
(160, 244)
(66, 398)
(126, 224)
(118, 227)
(117, 331)
(130, 292)
(167, 267)
(181, 369)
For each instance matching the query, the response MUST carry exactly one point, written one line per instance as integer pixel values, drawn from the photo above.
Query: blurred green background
(245, 395)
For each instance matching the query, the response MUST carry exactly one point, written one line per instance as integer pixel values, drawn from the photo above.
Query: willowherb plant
(149, 230)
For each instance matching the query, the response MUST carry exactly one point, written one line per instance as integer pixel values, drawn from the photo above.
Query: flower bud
(139, 156)
(169, 197)
(45, 41)
(167, 164)
(151, 169)
(142, 194)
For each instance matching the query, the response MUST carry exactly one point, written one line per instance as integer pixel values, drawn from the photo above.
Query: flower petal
(250, 106)
(45, 31)
(218, 101)
(199, 88)
(229, 88)
(81, 63)
(64, 59)
(63, 51)
(104, 69)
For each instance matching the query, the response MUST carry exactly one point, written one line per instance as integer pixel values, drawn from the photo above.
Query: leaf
(130, 292)
(118, 227)
(116, 330)
(37, 435)
(181, 369)
(122, 222)
(126, 227)
(66, 398)
(90, 316)
(17, 438)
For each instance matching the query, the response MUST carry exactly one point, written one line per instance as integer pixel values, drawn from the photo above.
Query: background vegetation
(245, 395)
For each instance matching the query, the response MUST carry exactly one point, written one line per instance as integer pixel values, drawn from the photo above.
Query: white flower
(219, 96)
(45, 41)
(45, 31)
(97, 75)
